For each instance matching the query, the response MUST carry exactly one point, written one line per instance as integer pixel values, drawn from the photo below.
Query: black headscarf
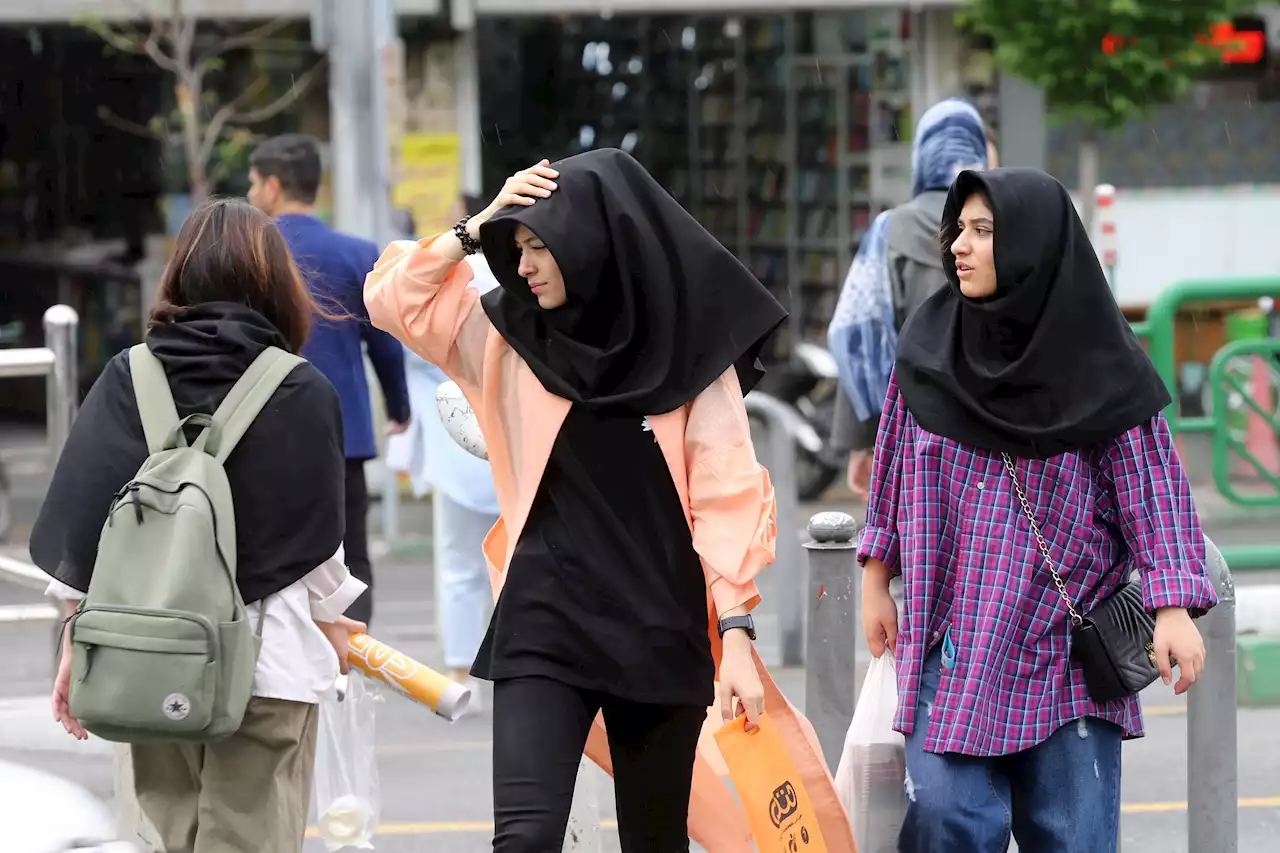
(657, 308)
(1045, 365)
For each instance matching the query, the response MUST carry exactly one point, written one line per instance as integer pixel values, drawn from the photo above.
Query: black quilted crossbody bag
(1115, 643)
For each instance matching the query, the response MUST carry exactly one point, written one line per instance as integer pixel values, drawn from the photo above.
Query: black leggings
(539, 730)
(355, 543)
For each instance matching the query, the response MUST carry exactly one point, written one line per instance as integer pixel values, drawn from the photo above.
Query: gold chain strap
(1044, 546)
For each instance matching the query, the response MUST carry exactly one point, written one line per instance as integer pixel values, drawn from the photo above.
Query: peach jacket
(422, 298)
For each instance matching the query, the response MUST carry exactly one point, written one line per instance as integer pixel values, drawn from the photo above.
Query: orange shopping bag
(778, 809)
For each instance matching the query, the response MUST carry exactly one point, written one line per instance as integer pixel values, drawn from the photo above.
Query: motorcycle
(807, 383)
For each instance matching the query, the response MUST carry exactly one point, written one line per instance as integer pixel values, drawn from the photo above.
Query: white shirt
(296, 662)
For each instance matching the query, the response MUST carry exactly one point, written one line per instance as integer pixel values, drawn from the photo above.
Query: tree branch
(230, 113)
(295, 91)
(249, 37)
(129, 126)
(225, 113)
(151, 47)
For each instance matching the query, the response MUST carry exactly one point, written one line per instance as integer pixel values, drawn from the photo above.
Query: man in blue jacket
(284, 177)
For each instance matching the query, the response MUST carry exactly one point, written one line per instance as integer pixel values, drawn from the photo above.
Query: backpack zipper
(205, 624)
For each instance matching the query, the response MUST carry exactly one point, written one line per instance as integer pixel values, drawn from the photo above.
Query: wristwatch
(746, 623)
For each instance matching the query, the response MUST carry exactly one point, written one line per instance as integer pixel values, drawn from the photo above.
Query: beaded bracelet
(469, 244)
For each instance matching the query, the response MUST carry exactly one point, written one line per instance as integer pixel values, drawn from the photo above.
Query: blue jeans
(1060, 796)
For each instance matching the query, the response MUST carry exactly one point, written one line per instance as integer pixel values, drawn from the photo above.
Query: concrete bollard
(1212, 737)
(831, 650)
(61, 324)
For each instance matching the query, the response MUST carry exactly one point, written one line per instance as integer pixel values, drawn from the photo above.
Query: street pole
(356, 36)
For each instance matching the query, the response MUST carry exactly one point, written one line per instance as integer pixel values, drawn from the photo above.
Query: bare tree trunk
(1088, 174)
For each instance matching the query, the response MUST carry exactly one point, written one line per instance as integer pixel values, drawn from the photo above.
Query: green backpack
(161, 646)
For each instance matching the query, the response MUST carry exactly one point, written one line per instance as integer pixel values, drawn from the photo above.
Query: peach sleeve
(422, 298)
(731, 497)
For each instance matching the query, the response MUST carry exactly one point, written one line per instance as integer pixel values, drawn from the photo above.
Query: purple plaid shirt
(945, 515)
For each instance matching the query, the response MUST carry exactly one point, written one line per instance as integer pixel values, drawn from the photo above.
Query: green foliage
(1057, 45)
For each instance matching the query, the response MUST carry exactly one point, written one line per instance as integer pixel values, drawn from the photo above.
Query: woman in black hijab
(638, 334)
(1023, 469)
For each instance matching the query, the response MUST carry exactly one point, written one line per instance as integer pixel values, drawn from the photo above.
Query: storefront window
(783, 134)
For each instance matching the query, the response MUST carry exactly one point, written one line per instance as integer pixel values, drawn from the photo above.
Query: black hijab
(287, 474)
(657, 308)
(1045, 365)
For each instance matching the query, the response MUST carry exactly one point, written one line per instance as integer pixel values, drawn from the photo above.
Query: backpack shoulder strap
(155, 401)
(249, 395)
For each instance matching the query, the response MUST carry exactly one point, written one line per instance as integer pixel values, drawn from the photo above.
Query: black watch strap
(744, 622)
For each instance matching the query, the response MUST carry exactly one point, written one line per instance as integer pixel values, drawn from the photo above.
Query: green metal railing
(1226, 440)
(1159, 331)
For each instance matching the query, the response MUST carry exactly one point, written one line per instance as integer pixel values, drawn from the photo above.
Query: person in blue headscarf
(898, 266)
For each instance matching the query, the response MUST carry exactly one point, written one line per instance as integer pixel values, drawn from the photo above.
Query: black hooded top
(657, 308)
(286, 474)
(1045, 365)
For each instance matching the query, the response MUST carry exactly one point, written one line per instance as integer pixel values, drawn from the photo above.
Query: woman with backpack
(1023, 470)
(230, 295)
(607, 373)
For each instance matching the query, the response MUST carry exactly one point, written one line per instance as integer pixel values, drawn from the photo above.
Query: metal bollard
(63, 395)
(1212, 738)
(832, 649)
(784, 426)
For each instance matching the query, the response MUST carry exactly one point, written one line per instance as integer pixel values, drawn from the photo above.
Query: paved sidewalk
(435, 776)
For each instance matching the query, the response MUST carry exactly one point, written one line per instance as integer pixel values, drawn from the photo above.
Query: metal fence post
(1212, 744)
(780, 421)
(831, 653)
(63, 390)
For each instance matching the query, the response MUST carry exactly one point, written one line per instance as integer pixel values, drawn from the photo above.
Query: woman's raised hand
(524, 188)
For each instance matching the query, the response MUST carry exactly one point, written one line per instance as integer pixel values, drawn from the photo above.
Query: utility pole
(355, 35)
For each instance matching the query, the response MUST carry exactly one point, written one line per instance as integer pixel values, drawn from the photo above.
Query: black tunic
(605, 591)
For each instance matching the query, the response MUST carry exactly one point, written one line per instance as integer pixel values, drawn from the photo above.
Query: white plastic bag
(346, 795)
(873, 765)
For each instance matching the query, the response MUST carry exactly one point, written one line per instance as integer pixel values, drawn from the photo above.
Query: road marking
(445, 827)
(442, 827)
(28, 613)
(1154, 808)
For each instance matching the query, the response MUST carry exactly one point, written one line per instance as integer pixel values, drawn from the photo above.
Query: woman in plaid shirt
(1023, 368)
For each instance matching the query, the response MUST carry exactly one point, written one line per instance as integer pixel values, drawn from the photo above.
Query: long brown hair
(229, 251)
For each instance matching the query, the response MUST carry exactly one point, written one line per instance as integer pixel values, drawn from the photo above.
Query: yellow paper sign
(430, 179)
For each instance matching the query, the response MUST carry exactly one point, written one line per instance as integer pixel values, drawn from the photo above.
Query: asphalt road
(435, 776)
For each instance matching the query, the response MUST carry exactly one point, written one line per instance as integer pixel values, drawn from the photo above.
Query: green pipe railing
(1226, 442)
(1159, 330)
(1161, 322)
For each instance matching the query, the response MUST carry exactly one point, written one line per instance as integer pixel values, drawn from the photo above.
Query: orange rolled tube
(417, 681)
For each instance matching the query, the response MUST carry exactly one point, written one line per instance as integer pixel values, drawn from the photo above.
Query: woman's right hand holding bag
(879, 610)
